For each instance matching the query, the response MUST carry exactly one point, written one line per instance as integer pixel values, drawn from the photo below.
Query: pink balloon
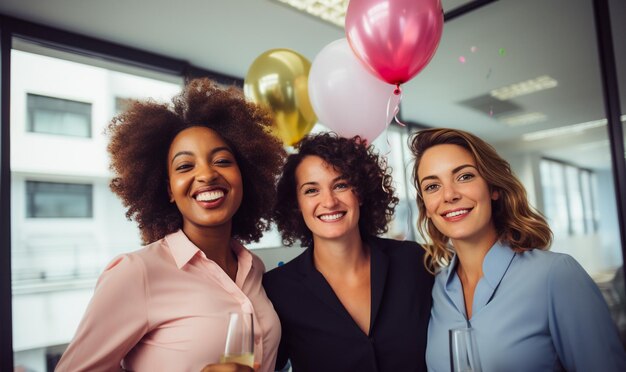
(346, 97)
(395, 39)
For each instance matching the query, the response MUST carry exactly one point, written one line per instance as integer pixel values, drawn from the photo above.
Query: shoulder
(134, 265)
(397, 247)
(564, 268)
(549, 261)
(257, 263)
(289, 269)
(405, 258)
(556, 270)
(285, 277)
(399, 252)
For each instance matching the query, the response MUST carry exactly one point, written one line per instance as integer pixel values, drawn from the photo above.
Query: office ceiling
(505, 42)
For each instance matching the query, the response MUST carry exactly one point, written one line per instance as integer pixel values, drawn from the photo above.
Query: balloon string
(385, 162)
(389, 109)
(397, 91)
(398, 120)
(396, 110)
(385, 156)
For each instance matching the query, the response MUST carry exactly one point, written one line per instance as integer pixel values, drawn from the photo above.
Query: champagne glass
(239, 340)
(464, 350)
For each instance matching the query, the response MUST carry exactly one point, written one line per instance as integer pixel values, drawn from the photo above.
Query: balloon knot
(397, 91)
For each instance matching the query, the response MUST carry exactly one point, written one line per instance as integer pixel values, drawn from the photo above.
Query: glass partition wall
(534, 90)
(529, 80)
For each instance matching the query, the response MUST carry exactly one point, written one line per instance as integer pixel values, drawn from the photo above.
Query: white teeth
(331, 217)
(457, 213)
(210, 195)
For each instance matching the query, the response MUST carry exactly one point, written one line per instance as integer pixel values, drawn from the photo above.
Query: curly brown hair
(140, 141)
(362, 168)
(517, 223)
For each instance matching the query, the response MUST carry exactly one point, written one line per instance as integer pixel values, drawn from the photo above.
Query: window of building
(568, 197)
(58, 200)
(121, 104)
(52, 115)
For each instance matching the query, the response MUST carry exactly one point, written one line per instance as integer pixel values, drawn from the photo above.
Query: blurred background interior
(527, 76)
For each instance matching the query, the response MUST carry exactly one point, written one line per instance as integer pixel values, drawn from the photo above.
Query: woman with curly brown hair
(199, 179)
(351, 301)
(531, 310)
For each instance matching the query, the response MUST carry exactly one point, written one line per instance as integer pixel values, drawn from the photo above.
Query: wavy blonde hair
(517, 223)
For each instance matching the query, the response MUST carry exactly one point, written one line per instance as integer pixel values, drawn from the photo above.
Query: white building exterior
(55, 261)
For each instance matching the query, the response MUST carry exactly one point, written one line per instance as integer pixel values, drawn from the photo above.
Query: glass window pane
(554, 197)
(58, 116)
(66, 223)
(58, 200)
(575, 200)
(388, 145)
(588, 202)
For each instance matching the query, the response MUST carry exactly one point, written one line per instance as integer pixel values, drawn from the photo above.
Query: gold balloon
(278, 80)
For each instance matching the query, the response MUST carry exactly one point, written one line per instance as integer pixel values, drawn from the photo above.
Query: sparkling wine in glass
(239, 340)
(464, 350)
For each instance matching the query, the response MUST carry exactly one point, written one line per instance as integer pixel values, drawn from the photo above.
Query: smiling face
(204, 179)
(457, 198)
(329, 206)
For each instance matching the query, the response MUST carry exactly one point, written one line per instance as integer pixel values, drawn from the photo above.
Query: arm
(282, 357)
(115, 320)
(582, 330)
(271, 288)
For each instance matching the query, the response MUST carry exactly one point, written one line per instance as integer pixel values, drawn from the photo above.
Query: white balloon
(346, 97)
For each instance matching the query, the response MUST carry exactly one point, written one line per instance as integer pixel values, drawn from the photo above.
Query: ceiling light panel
(568, 129)
(333, 11)
(524, 119)
(525, 87)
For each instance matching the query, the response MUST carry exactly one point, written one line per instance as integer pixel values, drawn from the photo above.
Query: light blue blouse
(532, 311)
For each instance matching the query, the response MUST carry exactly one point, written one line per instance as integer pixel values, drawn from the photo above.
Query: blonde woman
(532, 310)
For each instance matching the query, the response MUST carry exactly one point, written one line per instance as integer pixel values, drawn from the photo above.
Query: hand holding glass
(239, 340)
(464, 351)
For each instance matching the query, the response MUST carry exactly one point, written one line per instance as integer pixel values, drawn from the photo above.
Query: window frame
(34, 186)
(68, 106)
(588, 211)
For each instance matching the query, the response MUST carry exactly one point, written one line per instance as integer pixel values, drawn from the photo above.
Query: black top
(318, 333)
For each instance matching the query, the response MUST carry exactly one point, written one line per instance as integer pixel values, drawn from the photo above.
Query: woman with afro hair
(352, 301)
(199, 178)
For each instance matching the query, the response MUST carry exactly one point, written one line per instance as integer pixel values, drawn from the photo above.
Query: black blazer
(318, 333)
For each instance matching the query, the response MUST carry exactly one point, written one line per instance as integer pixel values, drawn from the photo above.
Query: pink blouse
(165, 308)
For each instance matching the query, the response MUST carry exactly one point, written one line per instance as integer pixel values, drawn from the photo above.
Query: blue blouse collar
(496, 263)
(495, 266)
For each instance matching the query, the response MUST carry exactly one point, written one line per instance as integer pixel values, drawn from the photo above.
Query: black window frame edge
(6, 320)
(610, 91)
(465, 8)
